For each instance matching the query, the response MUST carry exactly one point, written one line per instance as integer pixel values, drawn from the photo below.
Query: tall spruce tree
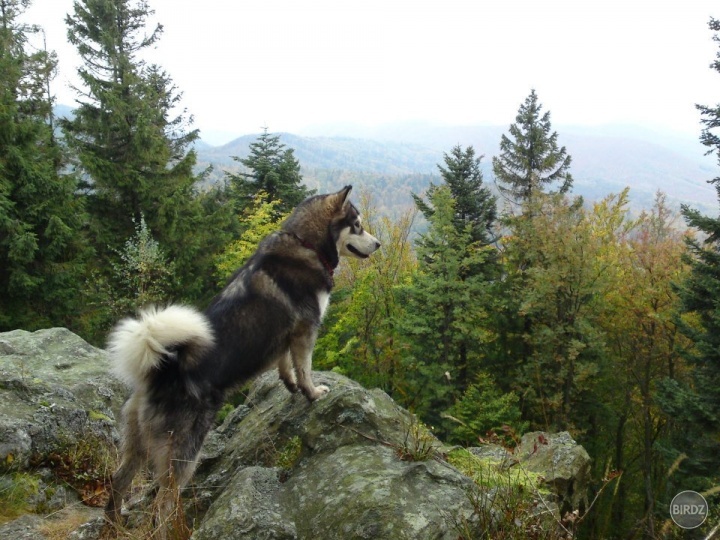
(458, 267)
(698, 403)
(530, 158)
(529, 162)
(41, 247)
(475, 205)
(131, 149)
(274, 170)
(132, 141)
(447, 311)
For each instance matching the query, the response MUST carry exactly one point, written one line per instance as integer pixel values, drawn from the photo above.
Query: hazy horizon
(291, 65)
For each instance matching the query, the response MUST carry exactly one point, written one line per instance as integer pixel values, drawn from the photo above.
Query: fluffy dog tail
(138, 346)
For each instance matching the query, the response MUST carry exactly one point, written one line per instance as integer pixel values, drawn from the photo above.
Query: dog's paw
(321, 391)
(317, 392)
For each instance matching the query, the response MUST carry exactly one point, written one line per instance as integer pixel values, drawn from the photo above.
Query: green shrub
(483, 408)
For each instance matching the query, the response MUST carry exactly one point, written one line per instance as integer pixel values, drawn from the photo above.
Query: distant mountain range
(396, 159)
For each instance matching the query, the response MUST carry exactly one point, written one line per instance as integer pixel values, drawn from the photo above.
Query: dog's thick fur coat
(180, 362)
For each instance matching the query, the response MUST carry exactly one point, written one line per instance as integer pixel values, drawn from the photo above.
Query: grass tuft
(419, 443)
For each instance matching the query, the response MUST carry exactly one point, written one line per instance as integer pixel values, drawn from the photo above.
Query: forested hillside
(539, 293)
(400, 160)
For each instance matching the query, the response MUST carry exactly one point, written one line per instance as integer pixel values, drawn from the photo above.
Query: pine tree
(474, 203)
(274, 170)
(446, 321)
(456, 272)
(133, 153)
(530, 158)
(133, 146)
(698, 404)
(483, 408)
(529, 161)
(42, 250)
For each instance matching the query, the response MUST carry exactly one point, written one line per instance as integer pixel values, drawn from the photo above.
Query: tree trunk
(620, 501)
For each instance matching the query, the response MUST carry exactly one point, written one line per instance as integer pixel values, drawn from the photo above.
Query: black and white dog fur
(180, 362)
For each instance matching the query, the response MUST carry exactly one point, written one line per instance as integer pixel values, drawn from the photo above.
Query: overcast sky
(289, 64)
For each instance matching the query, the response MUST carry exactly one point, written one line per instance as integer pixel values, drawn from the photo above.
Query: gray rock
(348, 480)
(249, 509)
(365, 491)
(25, 527)
(564, 464)
(55, 390)
(91, 530)
(493, 452)
(15, 439)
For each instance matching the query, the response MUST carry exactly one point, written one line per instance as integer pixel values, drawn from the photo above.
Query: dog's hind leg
(174, 460)
(172, 475)
(287, 372)
(133, 457)
(301, 348)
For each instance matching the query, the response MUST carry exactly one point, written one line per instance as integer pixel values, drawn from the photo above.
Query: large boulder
(58, 405)
(351, 465)
(55, 390)
(563, 464)
(556, 461)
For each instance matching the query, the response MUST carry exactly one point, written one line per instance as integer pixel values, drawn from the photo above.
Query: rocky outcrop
(563, 464)
(54, 391)
(351, 465)
(345, 478)
(560, 464)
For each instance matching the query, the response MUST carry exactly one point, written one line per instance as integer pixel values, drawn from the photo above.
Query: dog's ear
(344, 193)
(340, 198)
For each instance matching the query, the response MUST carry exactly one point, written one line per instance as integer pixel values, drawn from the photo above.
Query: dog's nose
(377, 245)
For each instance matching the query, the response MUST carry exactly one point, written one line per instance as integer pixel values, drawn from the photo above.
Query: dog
(180, 362)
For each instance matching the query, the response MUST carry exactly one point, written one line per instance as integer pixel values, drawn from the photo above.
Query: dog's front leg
(301, 348)
(287, 372)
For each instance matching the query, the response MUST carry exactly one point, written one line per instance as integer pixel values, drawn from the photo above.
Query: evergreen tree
(450, 331)
(530, 158)
(447, 312)
(698, 403)
(133, 154)
(41, 247)
(529, 161)
(474, 203)
(274, 170)
(484, 408)
(132, 144)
